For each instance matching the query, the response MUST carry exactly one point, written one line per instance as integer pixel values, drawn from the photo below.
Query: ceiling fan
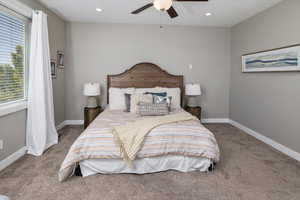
(164, 5)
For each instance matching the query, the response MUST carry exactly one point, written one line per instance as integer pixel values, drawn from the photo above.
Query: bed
(183, 146)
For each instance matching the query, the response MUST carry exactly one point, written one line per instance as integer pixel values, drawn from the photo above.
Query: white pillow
(136, 99)
(144, 90)
(117, 97)
(174, 93)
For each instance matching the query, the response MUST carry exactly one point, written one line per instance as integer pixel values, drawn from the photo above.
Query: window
(13, 59)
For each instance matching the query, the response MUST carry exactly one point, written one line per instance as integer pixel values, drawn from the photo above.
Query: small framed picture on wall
(53, 68)
(60, 59)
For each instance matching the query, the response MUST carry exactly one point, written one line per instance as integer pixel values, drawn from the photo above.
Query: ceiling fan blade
(172, 12)
(194, 0)
(142, 8)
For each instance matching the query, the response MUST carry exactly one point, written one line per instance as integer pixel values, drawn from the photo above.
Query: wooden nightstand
(196, 111)
(90, 114)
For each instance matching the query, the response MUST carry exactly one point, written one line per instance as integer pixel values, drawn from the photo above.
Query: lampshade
(91, 89)
(193, 89)
(162, 4)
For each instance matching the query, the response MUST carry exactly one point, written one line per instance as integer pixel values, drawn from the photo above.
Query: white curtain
(41, 132)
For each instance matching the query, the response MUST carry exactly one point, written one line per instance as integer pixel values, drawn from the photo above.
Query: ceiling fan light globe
(162, 4)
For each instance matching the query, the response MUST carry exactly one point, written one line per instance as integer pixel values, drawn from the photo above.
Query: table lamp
(192, 90)
(91, 90)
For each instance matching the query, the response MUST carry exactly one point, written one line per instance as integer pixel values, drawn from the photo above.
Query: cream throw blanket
(130, 136)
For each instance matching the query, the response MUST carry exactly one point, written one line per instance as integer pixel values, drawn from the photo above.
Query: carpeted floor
(248, 169)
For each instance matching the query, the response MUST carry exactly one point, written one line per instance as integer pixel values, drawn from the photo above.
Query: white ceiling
(225, 13)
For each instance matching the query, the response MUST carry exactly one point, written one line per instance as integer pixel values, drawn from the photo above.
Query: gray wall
(267, 102)
(13, 126)
(12, 132)
(96, 50)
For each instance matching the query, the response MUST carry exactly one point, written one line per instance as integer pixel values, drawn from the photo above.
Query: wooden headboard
(145, 75)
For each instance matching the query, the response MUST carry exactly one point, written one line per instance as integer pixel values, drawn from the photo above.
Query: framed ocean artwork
(274, 60)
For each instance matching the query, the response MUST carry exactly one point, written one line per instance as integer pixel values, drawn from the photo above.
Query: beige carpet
(248, 169)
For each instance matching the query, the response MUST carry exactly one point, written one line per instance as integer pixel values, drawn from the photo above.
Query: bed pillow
(117, 98)
(128, 98)
(160, 94)
(137, 98)
(167, 100)
(153, 109)
(144, 90)
(174, 93)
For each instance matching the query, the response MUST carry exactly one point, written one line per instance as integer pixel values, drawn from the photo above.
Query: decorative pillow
(160, 94)
(167, 100)
(137, 98)
(152, 109)
(117, 97)
(174, 93)
(127, 102)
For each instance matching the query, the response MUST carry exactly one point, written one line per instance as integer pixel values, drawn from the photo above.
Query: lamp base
(92, 102)
(192, 101)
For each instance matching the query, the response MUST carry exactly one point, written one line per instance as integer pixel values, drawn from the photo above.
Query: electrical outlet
(1, 144)
(190, 66)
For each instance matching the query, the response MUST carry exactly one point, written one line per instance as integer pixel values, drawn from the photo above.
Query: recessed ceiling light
(98, 9)
(208, 14)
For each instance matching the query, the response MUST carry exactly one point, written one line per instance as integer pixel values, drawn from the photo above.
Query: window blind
(12, 58)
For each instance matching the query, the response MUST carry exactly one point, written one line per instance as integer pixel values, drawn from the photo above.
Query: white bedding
(144, 165)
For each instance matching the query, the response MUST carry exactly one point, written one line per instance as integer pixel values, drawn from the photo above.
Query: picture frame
(60, 59)
(281, 59)
(53, 68)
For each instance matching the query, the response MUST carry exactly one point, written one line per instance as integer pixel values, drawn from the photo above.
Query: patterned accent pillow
(175, 93)
(152, 109)
(137, 98)
(167, 100)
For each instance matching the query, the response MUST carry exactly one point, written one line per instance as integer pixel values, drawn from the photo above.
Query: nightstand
(196, 111)
(90, 114)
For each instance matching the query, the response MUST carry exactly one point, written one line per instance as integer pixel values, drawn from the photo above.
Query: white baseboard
(267, 140)
(74, 122)
(61, 125)
(69, 122)
(215, 120)
(12, 158)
